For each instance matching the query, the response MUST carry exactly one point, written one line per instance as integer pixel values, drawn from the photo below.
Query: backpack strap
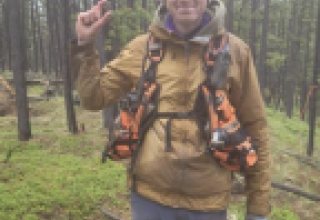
(133, 107)
(147, 89)
(229, 144)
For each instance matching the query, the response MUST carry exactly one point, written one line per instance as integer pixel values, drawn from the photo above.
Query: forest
(42, 122)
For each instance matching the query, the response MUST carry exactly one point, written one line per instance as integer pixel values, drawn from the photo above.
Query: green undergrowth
(58, 175)
(288, 150)
(55, 185)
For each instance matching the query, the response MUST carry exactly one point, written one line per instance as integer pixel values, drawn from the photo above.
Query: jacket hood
(215, 9)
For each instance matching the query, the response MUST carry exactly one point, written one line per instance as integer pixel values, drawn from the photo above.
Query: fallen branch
(239, 188)
(299, 192)
(307, 160)
(33, 98)
(40, 81)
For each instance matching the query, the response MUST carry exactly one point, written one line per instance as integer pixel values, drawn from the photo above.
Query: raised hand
(89, 23)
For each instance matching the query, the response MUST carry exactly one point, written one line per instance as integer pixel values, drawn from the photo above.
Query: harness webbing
(222, 131)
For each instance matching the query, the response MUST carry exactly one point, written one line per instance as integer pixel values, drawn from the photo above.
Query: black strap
(143, 130)
(171, 116)
(176, 115)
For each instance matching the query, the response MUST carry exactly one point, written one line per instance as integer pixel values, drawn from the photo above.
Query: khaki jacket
(187, 177)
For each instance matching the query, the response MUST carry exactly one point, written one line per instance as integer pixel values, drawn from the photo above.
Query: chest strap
(170, 116)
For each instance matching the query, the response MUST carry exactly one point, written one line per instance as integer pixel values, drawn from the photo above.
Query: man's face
(186, 11)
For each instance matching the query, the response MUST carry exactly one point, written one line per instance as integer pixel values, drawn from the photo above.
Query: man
(184, 183)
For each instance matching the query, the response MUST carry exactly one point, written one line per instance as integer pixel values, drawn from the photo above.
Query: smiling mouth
(185, 10)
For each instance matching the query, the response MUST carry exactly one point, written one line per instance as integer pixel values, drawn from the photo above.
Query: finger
(98, 8)
(81, 19)
(87, 18)
(81, 16)
(93, 17)
(103, 20)
(102, 4)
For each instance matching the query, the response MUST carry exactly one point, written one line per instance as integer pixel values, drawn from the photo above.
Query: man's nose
(186, 2)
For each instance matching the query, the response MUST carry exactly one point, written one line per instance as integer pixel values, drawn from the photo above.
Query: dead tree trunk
(253, 29)
(71, 117)
(263, 47)
(5, 14)
(313, 103)
(306, 63)
(230, 15)
(35, 63)
(40, 38)
(2, 51)
(15, 20)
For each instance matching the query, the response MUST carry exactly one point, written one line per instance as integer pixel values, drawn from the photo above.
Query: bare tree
(15, 21)
(71, 117)
(253, 29)
(230, 15)
(313, 103)
(2, 42)
(263, 45)
(41, 40)
(6, 33)
(35, 65)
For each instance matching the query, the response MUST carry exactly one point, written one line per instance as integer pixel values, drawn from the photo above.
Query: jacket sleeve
(99, 88)
(251, 113)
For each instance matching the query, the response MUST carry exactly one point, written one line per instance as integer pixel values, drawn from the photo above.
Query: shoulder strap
(216, 62)
(211, 61)
(213, 48)
(155, 51)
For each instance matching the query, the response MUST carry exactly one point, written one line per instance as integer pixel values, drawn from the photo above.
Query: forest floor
(58, 176)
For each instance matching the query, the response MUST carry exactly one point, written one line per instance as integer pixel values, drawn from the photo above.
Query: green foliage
(37, 182)
(275, 55)
(275, 60)
(289, 131)
(126, 24)
(54, 175)
(283, 214)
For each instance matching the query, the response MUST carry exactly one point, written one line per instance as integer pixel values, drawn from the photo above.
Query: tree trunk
(71, 117)
(130, 3)
(24, 41)
(144, 23)
(7, 38)
(41, 46)
(293, 52)
(50, 36)
(34, 39)
(253, 30)
(85, 4)
(230, 15)
(263, 47)
(57, 36)
(304, 80)
(313, 99)
(15, 20)
(2, 50)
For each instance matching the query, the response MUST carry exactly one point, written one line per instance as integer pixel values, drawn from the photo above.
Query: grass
(59, 176)
(56, 175)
